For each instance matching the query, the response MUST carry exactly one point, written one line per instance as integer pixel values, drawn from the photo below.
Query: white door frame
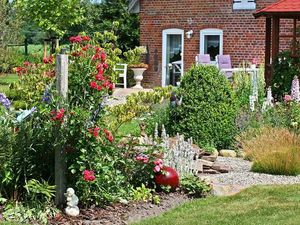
(164, 51)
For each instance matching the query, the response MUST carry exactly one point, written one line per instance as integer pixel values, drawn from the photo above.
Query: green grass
(6, 80)
(261, 205)
(131, 127)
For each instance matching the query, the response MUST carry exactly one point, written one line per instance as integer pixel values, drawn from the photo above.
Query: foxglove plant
(295, 89)
(5, 101)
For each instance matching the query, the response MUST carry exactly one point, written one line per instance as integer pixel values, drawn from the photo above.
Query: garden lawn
(6, 80)
(265, 205)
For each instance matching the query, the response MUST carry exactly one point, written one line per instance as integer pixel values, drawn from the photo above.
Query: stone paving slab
(120, 94)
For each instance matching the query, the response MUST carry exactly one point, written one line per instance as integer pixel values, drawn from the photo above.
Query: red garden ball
(167, 177)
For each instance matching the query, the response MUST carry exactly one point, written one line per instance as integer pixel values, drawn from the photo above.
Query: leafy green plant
(285, 68)
(133, 57)
(29, 214)
(142, 194)
(243, 87)
(193, 186)
(208, 110)
(39, 191)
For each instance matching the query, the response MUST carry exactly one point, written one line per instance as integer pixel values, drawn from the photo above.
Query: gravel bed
(242, 176)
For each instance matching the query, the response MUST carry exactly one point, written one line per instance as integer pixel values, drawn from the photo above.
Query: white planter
(138, 77)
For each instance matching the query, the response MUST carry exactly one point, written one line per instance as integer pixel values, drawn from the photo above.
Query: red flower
(95, 131)
(48, 60)
(109, 136)
(89, 175)
(86, 38)
(58, 115)
(93, 85)
(99, 88)
(26, 63)
(105, 66)
(76, 54)
(85, 48)
(99, 77)
(97, 49)
(20, 70)
(111, 86)
(96, 56)
(103, 56)
(75, 39)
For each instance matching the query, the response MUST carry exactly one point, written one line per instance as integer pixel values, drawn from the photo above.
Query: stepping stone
(209, 158)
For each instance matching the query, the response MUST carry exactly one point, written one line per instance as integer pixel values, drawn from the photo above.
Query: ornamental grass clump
(274, 151)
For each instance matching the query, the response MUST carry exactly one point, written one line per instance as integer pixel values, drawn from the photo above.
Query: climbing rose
(109, 136)
(158, 165)
(75, 39)
(86, 38)
(95, 131)
(142, 158)
(89, 175)
(93, 85)
(48, 60)
(58, 115)
(287, 98)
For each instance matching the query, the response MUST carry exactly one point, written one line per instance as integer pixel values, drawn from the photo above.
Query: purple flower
(4, 101)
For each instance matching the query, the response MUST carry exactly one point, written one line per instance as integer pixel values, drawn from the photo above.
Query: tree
(105, 16)
(9, 25)
(53, 16)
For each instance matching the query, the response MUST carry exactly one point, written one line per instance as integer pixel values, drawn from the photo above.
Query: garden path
(120, 94)
(241, 177)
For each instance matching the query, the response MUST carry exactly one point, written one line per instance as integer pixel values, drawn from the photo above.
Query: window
(244, 4)
(211, 42)
(96, 1)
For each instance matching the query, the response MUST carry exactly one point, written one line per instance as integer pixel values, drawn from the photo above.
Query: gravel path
(241, 177)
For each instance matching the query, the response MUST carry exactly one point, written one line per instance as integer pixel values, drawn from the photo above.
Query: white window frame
(207, 32)
(244, 4)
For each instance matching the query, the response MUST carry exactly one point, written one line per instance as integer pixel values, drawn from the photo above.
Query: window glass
(212, 45)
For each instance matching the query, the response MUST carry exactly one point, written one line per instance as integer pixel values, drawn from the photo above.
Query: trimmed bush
(208, 111)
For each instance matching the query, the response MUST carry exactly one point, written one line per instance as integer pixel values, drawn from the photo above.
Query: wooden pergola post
(268, 51)
(275, 38)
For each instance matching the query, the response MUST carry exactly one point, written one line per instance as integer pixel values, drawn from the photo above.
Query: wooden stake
(60, 163)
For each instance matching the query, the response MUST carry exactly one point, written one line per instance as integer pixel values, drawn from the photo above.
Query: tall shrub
(285, 68)
(208, 110)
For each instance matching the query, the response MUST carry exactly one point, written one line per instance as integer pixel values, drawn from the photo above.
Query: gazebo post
(268, 51)
(275, 38)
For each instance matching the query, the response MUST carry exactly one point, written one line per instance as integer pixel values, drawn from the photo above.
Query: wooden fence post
(26, 46)
(60, 163)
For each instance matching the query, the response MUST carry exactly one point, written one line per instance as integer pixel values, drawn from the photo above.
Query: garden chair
(203, 59)
(224, 64)
(121, 69)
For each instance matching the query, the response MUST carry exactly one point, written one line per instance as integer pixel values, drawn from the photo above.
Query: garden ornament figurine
(174, 100)
(72, 202)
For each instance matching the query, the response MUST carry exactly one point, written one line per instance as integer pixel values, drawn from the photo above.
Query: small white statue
(72, 202)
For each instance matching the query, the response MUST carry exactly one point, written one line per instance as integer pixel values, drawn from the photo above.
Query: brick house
(178, 30)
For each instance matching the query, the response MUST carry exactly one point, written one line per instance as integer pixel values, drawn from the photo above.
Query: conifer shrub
(208, 110)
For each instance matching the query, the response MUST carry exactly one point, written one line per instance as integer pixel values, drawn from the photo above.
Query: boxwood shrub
(208, 110)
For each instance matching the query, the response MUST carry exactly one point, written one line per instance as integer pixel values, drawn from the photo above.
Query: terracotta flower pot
(167, 177)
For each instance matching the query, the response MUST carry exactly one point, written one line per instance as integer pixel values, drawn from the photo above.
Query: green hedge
(208, 110)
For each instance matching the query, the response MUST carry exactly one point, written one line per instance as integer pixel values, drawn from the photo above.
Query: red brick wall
(243, 36)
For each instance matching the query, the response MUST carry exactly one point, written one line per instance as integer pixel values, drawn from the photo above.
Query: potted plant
(133, 58)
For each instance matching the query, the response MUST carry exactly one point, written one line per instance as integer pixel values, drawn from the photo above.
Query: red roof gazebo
(283, 9)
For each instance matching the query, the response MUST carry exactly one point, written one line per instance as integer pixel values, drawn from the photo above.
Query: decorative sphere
(167, 177)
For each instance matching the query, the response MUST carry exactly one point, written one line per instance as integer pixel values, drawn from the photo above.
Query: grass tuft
(274, 151)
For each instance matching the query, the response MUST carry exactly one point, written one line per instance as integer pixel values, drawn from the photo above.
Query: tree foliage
(53, 16)
(111, 15)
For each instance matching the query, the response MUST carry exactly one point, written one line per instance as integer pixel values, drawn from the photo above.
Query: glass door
(172, 56)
